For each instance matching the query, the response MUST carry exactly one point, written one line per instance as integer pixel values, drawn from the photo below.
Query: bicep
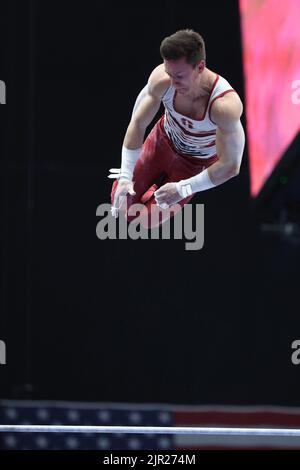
(145, 108)
(230, 143)
(140, 97)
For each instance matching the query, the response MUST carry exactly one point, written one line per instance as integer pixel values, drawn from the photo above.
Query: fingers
(167, 195)
(114, 212)
(120, 195)
(117, 205)
(118, 200)
(161, 192)
(163, 205)
(131, 190)
(160, 196)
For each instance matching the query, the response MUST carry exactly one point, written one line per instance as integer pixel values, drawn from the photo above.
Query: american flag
(116, 414)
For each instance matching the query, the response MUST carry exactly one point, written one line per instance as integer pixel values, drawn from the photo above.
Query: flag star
(42, 414)
(104, 416)
(73, 415)
(103, 443)
(42, 442)
(164, 443)
(10, 441)
(135, 417)
(164, 417)
(134, 443)
(72, 442)
(11, 413)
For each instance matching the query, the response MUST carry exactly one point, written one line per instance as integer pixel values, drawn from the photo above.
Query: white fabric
(196, 183)
(196, 138)
(129, 159)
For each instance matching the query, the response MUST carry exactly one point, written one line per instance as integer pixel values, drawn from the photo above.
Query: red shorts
(159, 164)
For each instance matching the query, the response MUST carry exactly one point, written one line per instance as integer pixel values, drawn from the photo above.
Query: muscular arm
(230, 139)
(230, 142)
(146, 107)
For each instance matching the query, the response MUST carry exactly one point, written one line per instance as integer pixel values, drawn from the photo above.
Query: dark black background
(124, 320)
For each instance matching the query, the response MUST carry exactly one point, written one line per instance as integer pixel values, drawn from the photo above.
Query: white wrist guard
(192, 185)
(129, 159)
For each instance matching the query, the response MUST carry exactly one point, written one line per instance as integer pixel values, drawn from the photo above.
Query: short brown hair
(184, 43)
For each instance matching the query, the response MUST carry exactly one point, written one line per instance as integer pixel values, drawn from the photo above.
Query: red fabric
(159, 163)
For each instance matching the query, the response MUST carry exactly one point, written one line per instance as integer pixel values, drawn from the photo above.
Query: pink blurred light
(271, 59)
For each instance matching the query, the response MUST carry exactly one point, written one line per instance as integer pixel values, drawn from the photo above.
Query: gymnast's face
(184, 77)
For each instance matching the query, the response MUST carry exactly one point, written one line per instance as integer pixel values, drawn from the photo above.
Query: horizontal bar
(206, 431)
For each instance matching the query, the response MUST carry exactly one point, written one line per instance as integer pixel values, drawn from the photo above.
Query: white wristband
(196, 183)
(129, 159)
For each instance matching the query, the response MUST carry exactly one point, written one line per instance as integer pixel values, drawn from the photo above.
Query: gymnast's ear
(200, 65)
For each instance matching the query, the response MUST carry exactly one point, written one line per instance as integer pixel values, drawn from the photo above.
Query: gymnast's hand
(167, 195)
(124, 187)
